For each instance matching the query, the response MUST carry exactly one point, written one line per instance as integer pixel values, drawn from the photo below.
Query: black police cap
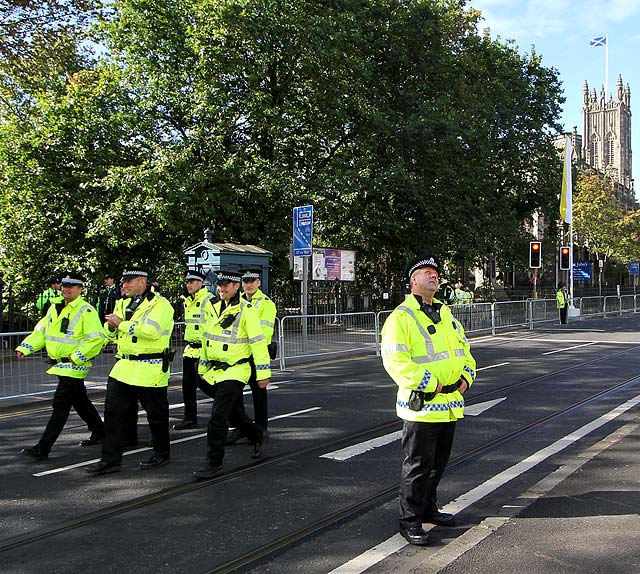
(420, 261)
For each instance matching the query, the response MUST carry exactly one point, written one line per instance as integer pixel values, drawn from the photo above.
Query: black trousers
(260, 400)
(563, 314)
(191, 382)
(121, 400)
(70, 392)
(427, 447)
(225, 406)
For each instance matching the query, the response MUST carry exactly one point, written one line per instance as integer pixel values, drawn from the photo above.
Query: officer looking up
(426, 353)
(198, 310)
(267, 313)
(72, 335)
(142, 372)
(231, 338)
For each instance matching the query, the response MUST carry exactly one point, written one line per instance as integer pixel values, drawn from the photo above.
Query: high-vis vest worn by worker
(143, 340)
(230, 338)
(418, 354)
(266, 309)
(198, 310)
(72, 335)
(562, 298)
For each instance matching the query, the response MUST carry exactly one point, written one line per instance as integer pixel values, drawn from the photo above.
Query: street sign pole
(303, 247)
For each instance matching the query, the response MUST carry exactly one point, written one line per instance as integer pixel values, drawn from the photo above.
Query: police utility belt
(166, 356)
(56, 361)
(195, 344)
(222, 366)
(417, 399)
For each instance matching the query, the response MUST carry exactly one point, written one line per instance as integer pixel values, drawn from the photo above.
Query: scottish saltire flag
(566, 203)
(596, 42)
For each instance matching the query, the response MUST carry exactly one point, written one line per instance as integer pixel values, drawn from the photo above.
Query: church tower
(606, 141)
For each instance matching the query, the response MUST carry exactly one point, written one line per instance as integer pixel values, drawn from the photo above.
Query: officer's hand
(463, 386)
(439, 388)
(113, 320)
(263, 383)
(19, 355)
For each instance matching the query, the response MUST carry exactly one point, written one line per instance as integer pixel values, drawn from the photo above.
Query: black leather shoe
(260, 448)
(155, 461)
(35, 452)
(98, 468)
(415, 535)
(233, 437)
(185, 424)
(91, 441)
(441, 519)
(208, 471)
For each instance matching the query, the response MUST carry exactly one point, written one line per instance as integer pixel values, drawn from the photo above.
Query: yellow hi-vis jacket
(266, 309)
(148, 331)
(418, 354)
(562, 299)
(232, 335)
(198, 309)
(80, 342)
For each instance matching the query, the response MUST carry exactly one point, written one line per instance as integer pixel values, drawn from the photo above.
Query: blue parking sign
(634, 267)
(303, 230)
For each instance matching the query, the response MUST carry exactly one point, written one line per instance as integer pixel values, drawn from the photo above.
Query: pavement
(583, 518)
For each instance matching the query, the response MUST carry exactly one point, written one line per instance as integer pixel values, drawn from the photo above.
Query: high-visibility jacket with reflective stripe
(418, 354)
(81, 341)
(239, 340)
(148, 331)
(266, 311)
(198, 309)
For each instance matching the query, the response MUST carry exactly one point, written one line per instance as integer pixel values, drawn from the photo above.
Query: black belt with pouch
(417, 399)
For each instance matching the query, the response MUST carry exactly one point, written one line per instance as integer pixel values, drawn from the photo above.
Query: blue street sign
(582, 271)
(634, 268)
(303, 230)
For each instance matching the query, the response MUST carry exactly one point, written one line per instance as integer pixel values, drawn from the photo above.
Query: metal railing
(303, 338)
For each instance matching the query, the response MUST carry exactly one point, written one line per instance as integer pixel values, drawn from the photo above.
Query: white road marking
(367, 559)
(362, 447)
(569, 348)
(138, 450)
(479, 408)
(209, 400)
(536, 340)
(356, 449)
(492, 366)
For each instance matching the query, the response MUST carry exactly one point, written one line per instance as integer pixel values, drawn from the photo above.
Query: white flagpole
(606, 67)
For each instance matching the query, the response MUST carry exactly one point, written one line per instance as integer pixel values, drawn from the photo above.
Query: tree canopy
(406, 129)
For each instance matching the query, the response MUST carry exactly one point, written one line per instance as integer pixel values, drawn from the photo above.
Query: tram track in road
(299, 535)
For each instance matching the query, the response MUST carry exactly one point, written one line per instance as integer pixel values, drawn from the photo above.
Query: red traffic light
(565, 263)
(535, 254)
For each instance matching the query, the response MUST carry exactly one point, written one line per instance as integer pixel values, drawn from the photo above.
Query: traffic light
(565, 264)
(535, 254)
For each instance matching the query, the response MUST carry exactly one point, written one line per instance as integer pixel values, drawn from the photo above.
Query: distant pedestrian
(51, 293)
(72, 336)
(426, 353)
(562, 302)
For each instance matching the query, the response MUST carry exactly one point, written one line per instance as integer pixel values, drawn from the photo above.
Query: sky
(560, 31)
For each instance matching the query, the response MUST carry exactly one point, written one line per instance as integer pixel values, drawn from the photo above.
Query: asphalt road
(321, 501)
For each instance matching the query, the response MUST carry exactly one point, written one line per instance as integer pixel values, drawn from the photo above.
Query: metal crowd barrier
(303, 338)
